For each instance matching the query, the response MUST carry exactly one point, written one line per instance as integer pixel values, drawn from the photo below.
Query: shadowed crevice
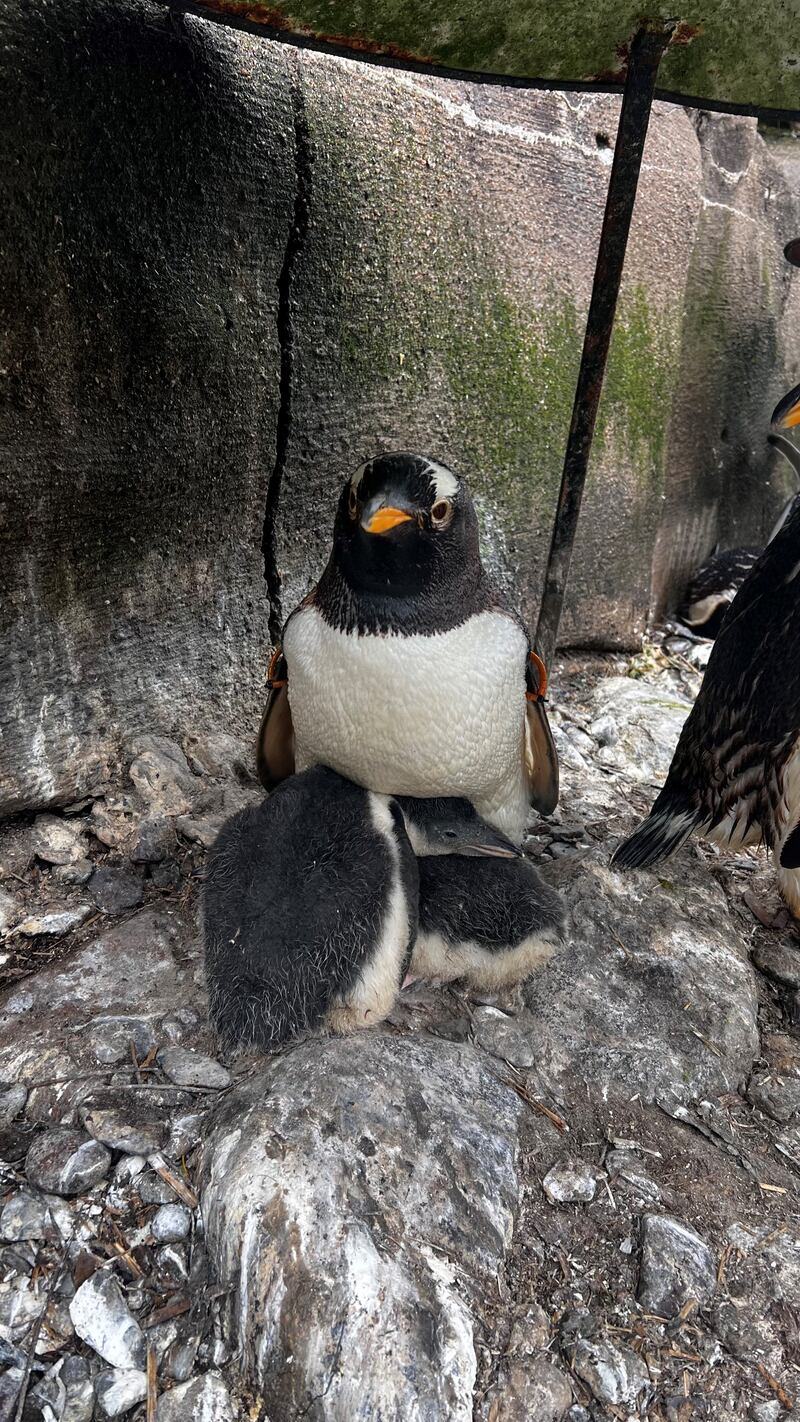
(295, 243)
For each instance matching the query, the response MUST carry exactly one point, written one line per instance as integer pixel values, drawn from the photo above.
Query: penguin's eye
(441, 512)
(352, 502)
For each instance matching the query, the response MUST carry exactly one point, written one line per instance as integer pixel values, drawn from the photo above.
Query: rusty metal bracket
(646, 51)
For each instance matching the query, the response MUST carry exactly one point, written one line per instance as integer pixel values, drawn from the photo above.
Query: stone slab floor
(576, 1201)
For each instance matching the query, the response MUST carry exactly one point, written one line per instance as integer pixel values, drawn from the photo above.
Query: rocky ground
(577, 1201)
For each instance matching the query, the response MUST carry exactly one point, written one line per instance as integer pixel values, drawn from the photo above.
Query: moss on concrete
(738, 54)
(640, 377)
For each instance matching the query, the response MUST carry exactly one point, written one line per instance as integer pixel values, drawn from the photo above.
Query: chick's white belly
(438, 715)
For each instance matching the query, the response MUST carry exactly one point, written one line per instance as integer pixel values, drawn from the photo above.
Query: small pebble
(171, 1260)
(25, 1216)
(10, 1384)
(676, 1265)
(187, 1068)
(57, 841)
(503, 1037)
(152, 1190)
(118, 1133)
(202, 1399)
(78, 873)
(55, 922)
(115, 890)
(185, 1133)
(614, 1374)
(75, 1369)
(778, 961)
(128, 1168)
(112, 824)
(152, 842)
(12, 1102)
(120, 1390)
(767, 1410)
(171, 1223)
(570, 1182)
(66, 1161)
(530, 1332)
(181, 1358)
(166, 875)
(110, 1038)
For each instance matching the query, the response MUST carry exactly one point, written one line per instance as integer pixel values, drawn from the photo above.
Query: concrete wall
(151, 169)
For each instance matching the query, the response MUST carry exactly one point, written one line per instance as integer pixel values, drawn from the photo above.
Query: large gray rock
(438, 300)
(658, 996)
(137, 971)
(358, 1200)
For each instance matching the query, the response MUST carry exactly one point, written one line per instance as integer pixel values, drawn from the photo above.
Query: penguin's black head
(405, 526)
(452, 826)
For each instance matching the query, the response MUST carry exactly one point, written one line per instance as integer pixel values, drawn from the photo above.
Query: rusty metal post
(646, 51)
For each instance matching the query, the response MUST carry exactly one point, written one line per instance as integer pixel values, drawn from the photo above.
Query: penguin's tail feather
(666, 828)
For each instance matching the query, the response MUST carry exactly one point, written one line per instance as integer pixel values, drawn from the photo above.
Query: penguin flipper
(275, 750)
(541, 757)
(790, 853)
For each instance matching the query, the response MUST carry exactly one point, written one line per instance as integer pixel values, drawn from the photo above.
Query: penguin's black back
(295, 895)
(496, 904)
(719, 577)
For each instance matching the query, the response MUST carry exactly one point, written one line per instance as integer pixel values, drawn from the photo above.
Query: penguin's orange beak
(385, 518)
(786, 415)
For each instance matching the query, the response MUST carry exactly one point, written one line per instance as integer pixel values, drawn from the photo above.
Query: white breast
(438, 715)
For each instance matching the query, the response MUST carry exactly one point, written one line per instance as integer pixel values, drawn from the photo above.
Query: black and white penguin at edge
(735, 774)
(405, 669)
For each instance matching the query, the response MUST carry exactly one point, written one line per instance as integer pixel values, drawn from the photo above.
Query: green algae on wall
(640, 377)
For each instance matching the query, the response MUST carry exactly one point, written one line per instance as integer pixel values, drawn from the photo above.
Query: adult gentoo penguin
(735, 775)
(310, 905)
(490, 923)
(407, 670)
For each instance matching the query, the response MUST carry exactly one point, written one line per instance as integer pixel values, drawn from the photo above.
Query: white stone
(120, 1390)
(55, 922)
(570, 1182)
(101, 1317)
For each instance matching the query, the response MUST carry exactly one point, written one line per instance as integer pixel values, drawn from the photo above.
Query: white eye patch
(444, 482)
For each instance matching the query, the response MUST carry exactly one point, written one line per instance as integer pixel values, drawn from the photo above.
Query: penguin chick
(452, 826)
(491, 923)
(735, 774)
(310, 905)
(407, 671)
(310, 911)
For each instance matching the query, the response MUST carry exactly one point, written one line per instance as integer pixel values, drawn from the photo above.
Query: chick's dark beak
(786, 415)
(496, 847)
(379, 517)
